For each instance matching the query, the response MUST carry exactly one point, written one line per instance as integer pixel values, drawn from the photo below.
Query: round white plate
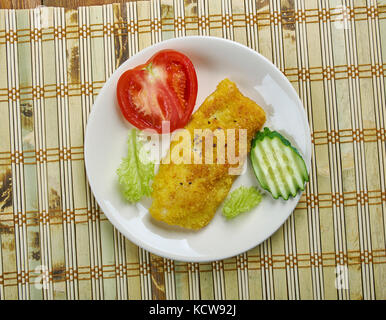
(106, 144)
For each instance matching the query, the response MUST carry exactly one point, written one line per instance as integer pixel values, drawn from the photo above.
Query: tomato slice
(162, 89)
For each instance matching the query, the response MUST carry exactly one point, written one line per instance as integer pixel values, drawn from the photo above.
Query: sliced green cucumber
(278, 166)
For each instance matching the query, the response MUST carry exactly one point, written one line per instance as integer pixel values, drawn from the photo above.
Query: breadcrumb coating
(188, 195)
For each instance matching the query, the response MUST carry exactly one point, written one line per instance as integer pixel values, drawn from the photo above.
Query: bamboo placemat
(55, 243)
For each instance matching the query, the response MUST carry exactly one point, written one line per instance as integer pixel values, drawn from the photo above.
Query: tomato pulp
(162, 89)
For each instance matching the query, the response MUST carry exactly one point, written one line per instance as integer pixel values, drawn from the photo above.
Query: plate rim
(111, 217)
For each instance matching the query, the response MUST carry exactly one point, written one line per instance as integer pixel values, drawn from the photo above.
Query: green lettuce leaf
(136, 171)
(241, 200)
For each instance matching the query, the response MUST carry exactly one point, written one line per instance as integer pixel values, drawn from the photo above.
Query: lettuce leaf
(135, 172)
(241, 200)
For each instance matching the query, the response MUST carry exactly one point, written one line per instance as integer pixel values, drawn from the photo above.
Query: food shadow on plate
(169, 231)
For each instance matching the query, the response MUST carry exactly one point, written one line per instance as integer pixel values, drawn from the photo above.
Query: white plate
(106, 144)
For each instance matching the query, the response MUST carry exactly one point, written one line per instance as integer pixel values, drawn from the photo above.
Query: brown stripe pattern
(56, 243)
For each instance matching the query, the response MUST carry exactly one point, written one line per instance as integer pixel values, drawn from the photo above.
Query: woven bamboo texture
(55, 243)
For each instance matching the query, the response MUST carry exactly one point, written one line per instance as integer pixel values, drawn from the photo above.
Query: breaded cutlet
(188, 195)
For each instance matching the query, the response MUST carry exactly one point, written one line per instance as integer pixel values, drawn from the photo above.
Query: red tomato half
(162, 89)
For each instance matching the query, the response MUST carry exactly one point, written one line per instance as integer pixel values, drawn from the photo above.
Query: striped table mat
(55, 243)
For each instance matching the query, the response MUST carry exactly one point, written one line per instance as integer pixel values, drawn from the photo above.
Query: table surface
(55, 242)
(28, 4)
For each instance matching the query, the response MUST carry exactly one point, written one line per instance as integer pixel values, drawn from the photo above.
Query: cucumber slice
(278, 166)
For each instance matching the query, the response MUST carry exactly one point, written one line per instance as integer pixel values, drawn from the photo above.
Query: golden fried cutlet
(188, 195)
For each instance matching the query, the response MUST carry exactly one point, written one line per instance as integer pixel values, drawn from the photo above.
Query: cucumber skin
(267, 133)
